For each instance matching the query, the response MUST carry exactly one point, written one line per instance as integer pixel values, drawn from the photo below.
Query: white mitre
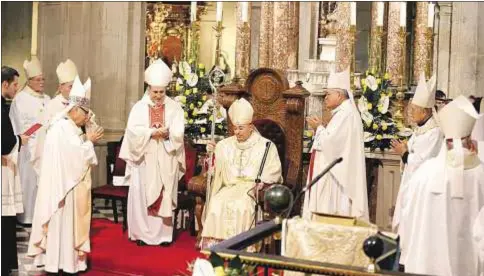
(457, 118)
(425, 92)
(241, 112)
(32, 67)
(66, 71)
(341, 80)
(158, 74)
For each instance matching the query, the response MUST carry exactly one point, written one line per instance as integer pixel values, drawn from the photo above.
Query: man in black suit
(11, 193)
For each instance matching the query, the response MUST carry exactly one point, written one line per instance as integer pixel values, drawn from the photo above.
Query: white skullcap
(158, 74)
(457, 118)
(32, 67)
(241, 112)
(425, 92)
(66, 71)
(80, 93)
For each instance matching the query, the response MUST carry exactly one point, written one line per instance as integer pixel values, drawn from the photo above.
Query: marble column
(242, 43)
(395, 45)
(443, 26)
(422, 46)
(266, 30)
(344, 39)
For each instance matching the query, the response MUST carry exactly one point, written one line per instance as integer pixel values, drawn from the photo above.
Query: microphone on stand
(258, 180)
(314, 181)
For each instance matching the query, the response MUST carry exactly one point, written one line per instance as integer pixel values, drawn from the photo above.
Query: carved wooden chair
(278, 116)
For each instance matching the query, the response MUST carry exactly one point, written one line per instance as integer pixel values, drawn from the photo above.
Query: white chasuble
(25, 110)
(424, 144)
(53, 107)
(153, 169)
(478, 136)
(440, 218)
(342, 191)
(61, 224)
(229, 209)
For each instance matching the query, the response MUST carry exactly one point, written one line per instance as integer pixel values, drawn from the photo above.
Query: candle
(353, 13)
(193, 11)
(219, 11)
(430, 15)
(245, 11)
(403, 14)
(380, 7)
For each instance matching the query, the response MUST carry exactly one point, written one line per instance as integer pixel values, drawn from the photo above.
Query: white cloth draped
(25, 110)
(53, 107)
(424, 144)
(438, 223)
(342, 190)
(478, 136)
(67, 159)
(229, 210)
(11, 189)
(152, 167)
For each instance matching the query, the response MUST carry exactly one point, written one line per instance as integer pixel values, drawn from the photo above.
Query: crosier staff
(216, 78)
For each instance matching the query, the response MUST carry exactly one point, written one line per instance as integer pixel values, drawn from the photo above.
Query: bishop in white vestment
(424, 144)
(342, 191)
(230, 205)
(153, 149)
(25, 111)
(448, 193)
(478, 133)
(66, 73)
(60, 229)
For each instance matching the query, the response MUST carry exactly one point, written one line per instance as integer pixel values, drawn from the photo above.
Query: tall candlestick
(245, 11)
(353, 13)
(403, 14)
(219, 11)
(193, 11)
(430, 15)
(380, 7)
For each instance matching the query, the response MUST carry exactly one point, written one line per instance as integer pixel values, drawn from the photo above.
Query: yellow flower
(187, 92)
(386, 76)
(201, 66)
(309, 133)
(367, 72)
(199, 104)
(186, 114)
(183, 99)
(204, 98)
(194, 113)
(379, 137)
(363, 82)
(202, 129)
(192, 106)
(378, 81)
(195, 90)
(375, 126)
(178, 87)
(384, 127)
(220, 126)
(380, 108)
(369, 106)
(219, 271)
(190, 121)
(210, 118)
(390, 94)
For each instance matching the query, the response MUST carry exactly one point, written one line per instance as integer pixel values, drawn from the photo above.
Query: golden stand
(352, 38)
(242, 68)
(218, 35)
(376, 51)
(429, 35)
(400, 95)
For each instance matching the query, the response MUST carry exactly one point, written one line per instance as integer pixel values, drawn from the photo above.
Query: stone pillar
(242, 44)
(443, 25)
(265, 40)
(308, 32)
(422, 46)
(395, 49)
(344, 47)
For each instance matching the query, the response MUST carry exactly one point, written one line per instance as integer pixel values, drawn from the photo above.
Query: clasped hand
(94, 134)
(399, 147)
(160, 133)
(314, 122)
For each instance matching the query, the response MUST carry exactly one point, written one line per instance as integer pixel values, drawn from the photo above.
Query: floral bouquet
(215, 267)
(374, 105)
(194, 93)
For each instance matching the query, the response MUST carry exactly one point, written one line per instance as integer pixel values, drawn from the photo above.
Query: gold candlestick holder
(194, 41)
(218, 28)
(400, 95)
(376, 50)
(352, 38)
(243, 53)
(429, 37)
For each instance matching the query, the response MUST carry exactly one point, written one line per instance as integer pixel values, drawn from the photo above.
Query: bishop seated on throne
(239, 161)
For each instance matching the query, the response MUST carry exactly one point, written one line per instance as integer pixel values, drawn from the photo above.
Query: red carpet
(113, 254)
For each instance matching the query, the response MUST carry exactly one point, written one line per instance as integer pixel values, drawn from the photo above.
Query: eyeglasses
(85, 111)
